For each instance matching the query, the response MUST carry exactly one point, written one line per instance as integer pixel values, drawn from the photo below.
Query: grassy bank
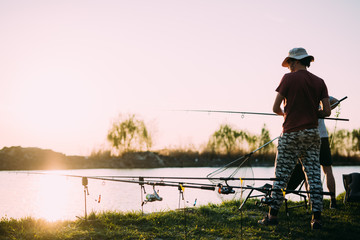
(223, 221)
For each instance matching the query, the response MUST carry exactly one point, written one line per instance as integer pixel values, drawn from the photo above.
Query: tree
(341, 142)
(265, 138)
(129, 134)
(228, 140)
(356, 140)
(225, 139)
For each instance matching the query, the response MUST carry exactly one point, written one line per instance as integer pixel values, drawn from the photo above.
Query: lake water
(55, 197)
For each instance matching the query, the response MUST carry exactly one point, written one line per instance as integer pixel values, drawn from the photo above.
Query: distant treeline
(130, 134)
(18, 158)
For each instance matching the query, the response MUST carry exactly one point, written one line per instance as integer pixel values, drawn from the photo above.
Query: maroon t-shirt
(302, 91)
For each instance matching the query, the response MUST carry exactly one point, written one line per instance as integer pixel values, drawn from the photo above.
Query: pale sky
(69, 67)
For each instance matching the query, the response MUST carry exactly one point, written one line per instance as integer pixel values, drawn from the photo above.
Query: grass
(216, 222)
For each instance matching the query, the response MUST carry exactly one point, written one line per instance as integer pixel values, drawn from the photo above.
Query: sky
(68, 68)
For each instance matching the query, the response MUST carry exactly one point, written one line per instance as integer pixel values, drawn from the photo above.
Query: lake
(54, 197)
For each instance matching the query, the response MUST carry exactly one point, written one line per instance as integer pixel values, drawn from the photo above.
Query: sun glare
(54, 197)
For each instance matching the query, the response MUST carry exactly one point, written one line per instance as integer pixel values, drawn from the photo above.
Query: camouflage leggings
(303, 145)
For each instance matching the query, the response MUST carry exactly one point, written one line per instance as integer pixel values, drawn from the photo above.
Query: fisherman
(301, 92)
(325, 156)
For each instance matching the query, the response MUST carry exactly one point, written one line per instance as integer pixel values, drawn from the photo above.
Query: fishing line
(333, 135)
(211, 175)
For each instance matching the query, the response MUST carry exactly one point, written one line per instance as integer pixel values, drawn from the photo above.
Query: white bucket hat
(296, 53)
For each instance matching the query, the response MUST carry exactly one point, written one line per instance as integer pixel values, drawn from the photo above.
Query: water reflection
(54, 197)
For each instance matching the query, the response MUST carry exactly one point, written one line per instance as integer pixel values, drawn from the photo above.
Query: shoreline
(18, 158)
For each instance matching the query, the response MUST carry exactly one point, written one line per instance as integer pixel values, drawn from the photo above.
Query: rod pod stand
(86, 192)
(181, 197)
(142, 192)
(181, 194)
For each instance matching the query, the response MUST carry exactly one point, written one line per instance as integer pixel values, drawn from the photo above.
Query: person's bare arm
(277, 105)
(326, 109)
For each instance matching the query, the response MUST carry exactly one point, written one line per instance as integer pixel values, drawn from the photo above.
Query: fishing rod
(213, 185)
(254, 113)
(176, 184)
(203, 186)
(141, 181)
(152, 197)
(111, 177)
(192, 178)
(338, 101)
(262, 113)
(226, 111)
(244, 187)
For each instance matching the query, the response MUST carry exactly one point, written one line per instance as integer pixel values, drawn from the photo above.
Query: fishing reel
(225, 189)
(267, 200)
(152, 197)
